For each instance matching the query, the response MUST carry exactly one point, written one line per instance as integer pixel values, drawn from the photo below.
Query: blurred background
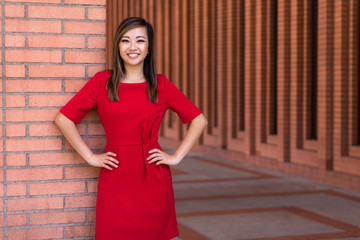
(278, 81)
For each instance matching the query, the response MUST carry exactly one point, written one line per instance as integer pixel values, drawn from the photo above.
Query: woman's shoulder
(103, 75)
(100, 78)
(161, 80)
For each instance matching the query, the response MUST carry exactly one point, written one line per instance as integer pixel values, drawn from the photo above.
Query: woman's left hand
(159, 157)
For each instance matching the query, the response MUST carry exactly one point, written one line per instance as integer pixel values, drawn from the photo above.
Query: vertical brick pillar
(250, 72)
(326, 84)
(283, 82)
(341, 78)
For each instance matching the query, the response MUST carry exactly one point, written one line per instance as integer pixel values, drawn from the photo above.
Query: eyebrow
(136, 37)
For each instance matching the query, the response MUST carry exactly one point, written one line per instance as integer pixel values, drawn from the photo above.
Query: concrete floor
(220, 199)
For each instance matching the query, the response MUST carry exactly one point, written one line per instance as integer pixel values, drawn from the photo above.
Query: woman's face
(134, 46)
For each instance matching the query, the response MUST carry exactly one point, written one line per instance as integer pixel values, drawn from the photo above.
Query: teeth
(133, 55)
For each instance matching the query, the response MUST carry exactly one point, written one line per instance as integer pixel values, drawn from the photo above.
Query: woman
(135, 196)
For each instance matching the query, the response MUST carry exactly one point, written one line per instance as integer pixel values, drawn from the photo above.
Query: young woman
(135, 195)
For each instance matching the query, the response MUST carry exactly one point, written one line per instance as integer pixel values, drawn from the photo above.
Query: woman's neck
(134, 74)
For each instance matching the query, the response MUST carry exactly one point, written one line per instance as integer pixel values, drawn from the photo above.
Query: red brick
(54, 159)
(56, 41)
(50, 130)
(84, 57)
(1, 191)
(16, 159)
(91, 215)
(16, 190)
(15, 70)
(25, 204)
(44, 130)
(35, 233)
(33, 144)
(29, 26)
(97, 13)
(96, 129)
(92, 186)
(15, 11)
(15, 101)
(97, 42)
(15, 41)
(74, 85)
(80, 202)
(32, 56)
(15, 130)
(16, 220)
(92, 116)
(80, 231)
(84, 27)
(56, 12)
(56, 71)
(48, 100)
(86, 2)
(93, 143)
(96, 142)
(81, 172)
(14, 115)
(33, 86)
(33, 174)
(92, 70)
(35, 1)
(56, 188)
(57, 217)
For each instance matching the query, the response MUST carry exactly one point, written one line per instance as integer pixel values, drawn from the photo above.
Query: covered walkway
(221, 199)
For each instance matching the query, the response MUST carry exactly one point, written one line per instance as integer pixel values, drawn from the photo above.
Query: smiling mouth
(133, 55)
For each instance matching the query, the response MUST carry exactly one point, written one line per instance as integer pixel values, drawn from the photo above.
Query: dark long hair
(118, 67)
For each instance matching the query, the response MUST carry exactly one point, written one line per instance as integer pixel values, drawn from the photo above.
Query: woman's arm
(196, 128)
(68, 128)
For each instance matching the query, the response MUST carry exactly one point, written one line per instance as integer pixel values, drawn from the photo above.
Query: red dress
(135, 201)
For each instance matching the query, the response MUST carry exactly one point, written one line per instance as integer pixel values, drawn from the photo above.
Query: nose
(133, 45)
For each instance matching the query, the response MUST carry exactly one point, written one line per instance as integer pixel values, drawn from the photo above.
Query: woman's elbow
(60, 119)
(204, 121)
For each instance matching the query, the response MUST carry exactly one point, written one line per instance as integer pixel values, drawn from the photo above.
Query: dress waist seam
(150, 141)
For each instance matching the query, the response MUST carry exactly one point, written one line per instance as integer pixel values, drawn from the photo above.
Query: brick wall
(50, 48)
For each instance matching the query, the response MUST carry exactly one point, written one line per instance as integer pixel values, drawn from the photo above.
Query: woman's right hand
(104, 160)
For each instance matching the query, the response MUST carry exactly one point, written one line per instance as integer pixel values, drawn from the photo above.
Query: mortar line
(4, 114)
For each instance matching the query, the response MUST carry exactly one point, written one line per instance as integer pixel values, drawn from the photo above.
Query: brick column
(326, 84)
(250, 72)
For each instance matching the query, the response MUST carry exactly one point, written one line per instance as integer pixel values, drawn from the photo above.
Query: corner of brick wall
(50, 48)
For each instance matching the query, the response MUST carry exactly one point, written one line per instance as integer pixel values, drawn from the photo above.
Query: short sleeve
(179, 103)
(82, 102)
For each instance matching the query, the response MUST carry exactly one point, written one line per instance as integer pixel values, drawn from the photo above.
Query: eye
(124, 40)
(141, 40)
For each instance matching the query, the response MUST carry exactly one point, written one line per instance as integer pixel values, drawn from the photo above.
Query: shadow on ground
(220, 199)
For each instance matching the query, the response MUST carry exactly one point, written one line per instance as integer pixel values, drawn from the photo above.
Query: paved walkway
(219, 199)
